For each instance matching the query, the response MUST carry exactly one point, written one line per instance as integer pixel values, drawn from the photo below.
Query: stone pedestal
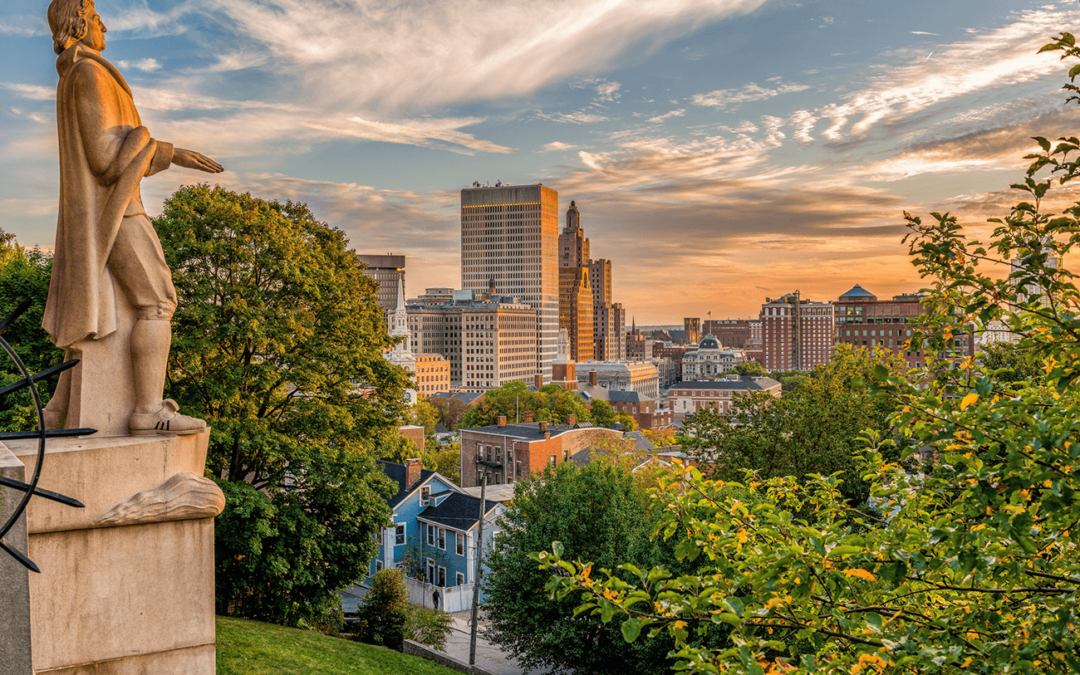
(14, 578)
(99, 392)
(126, 584)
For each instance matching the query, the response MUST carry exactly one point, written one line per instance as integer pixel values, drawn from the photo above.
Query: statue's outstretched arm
(189, 159)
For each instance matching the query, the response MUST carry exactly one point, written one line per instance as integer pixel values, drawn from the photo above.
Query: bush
(385, 610)
(427, 626)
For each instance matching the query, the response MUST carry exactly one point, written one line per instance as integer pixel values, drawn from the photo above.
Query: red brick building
(645, 410)
(864, 321)
(796, 334)
(508, 452)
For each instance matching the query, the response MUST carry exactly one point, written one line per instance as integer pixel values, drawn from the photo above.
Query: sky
(719, 151)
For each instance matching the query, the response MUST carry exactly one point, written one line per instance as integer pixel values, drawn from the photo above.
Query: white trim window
(460, 543)
(460, 579)
(442, 576)
(399, 534)
(425, 495)
(430, 535)
(430, 576)
(378, 565)
(442, 539)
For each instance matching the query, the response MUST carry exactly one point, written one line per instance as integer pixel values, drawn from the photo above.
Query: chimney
(594, 378)
(412, 472)
(571, 420)
(547, 435)
(543, 426)
(528, 417)
(501, 420)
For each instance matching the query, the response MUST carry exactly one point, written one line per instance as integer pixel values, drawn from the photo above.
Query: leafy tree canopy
(277, 344)
(514, 399)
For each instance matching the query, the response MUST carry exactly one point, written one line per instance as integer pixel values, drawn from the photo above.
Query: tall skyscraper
(608, 318)
(575, 291)
(389, 272)
(509, 243)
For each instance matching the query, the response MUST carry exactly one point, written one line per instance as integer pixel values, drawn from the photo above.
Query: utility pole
(476, 578)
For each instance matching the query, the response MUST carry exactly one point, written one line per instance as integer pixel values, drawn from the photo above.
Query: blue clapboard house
(440, 520)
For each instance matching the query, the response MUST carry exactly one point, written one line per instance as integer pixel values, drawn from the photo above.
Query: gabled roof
(396, 473)
(640, 442)
(458, 511)
(629, 397)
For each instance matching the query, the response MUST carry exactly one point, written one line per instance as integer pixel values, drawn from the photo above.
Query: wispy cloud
(729, 99)
(579, 117)
(442, 134)
(666, 116)
(147, 65)
(559, 146)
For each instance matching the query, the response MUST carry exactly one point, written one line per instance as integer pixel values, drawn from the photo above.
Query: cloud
(559, 146)
(669, 115)
(1001, 57)
(729, 99)
(33, 92)
(401, 55)
(23, 31)
(148, 65)
(921, 32)
(579, 117)
(440, 134)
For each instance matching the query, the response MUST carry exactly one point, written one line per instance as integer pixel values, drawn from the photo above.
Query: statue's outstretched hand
(189, 159)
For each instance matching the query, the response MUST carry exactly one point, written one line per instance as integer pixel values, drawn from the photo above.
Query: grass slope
(252, 648)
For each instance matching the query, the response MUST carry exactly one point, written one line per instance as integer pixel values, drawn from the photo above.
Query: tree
(384, 611)
(790, 380)
(750, 368)
(423, 414)
(509, 401)
(277, 344)
(1006, 362)
(446, 460)
(564, 403)
(450, 410)
(627, 420)
(599, 515)
(816, 429)
(603, 414)
(24, 275)
(977, 566)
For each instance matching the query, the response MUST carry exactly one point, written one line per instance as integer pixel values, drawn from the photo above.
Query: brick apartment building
(864, 321)
(645, 410)
(508, 452)
(732, 333)
(797, 334)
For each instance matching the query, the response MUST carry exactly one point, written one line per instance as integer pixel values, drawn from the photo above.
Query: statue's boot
(168, 420)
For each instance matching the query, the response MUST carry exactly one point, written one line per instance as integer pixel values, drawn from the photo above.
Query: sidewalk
(488, 655)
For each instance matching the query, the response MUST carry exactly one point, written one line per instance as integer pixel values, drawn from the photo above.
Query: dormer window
(425, 496)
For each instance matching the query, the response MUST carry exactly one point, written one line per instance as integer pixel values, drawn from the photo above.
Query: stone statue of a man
(106, 249)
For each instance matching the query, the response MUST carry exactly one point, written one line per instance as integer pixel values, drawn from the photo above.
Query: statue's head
(75, 21)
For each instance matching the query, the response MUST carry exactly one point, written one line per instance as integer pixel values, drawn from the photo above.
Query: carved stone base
(14, 578)
(127, 584)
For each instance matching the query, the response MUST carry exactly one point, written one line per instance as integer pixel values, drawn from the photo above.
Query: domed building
(710, 360)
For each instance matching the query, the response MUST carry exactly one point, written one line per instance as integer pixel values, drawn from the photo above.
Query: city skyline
(722, 152)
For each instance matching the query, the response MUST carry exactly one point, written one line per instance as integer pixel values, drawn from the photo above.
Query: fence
(451, 599)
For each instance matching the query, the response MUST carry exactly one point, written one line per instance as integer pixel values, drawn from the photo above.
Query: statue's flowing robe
(104, 153)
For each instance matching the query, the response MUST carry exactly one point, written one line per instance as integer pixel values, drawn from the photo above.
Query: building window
(429, 576)
(442, 576)
(460, 579)
(425, 496)
(431, 535)
(399, 534)
(378, 565)
(442, 539)
(460, 541)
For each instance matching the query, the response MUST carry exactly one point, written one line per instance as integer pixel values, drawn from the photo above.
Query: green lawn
(252, 648)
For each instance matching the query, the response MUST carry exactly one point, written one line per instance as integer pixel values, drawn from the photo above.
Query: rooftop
(529, 430)
(396, 473)
(858, 293)
(744, 383)
(459, 511)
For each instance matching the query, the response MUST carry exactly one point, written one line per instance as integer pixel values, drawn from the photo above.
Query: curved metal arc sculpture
(31, 489)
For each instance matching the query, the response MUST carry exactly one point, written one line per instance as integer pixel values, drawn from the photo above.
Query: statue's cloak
(104, 153)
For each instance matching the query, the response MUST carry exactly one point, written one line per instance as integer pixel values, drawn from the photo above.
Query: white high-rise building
(509, 246)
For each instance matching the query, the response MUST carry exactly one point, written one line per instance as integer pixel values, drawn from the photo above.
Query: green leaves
(631, 628)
